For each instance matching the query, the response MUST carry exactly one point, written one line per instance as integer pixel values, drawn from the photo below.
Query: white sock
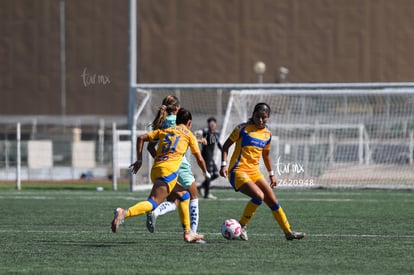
(164, 208)
(194, 215)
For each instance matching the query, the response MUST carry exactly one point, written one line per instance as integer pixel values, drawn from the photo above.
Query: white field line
(362, 236)
(243, 199)
(31, 197)
(67, 232)
(63, 197)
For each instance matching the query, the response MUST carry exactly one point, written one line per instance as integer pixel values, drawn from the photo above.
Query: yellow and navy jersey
(250, 143)
(173, 143)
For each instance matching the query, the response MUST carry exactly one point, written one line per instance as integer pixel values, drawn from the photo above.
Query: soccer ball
(231, 229)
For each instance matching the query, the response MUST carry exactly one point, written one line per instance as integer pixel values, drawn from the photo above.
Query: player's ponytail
(170, 105)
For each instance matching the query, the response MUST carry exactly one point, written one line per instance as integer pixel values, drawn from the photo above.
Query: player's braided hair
(170, 105)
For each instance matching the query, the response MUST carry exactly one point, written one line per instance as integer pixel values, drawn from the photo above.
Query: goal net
(202, 101)
(325, 137)
(357, 135)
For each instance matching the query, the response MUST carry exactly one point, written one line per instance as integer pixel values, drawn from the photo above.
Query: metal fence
(91, 147)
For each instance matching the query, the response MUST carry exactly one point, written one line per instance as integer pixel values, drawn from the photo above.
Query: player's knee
(258, 196)
(184, 197)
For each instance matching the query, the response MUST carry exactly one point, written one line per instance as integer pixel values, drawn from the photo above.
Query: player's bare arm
(202, 164)
(268, 163)
(140, 145)
(151, 147)
(224, 153)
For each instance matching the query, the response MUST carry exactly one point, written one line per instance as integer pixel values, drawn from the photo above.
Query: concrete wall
(194, 41)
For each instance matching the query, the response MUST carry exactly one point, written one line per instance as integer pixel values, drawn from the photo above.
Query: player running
(173, 143)
(166, 117)
(252, 142)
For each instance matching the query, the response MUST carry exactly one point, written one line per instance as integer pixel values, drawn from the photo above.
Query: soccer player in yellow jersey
(252, 142)
(165, 118)
(173, 143)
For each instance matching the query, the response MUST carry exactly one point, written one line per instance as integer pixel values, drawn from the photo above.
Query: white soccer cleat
(243, 233)
(119, 216)
(211, 197)
(201, 241)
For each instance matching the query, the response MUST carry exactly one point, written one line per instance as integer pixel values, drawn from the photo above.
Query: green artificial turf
(67, 231)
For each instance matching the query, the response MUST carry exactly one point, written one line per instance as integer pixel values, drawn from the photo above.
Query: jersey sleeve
(269, 141)
(154, 135)
(235, 134)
